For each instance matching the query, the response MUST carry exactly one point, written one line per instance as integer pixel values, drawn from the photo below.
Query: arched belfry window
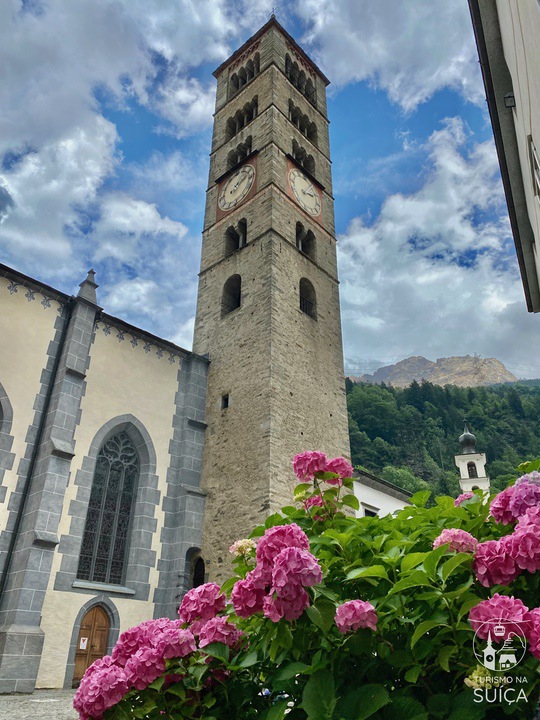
(232, 295)
(305, 240)
(105, 540)
(472, 470)
(308, 300)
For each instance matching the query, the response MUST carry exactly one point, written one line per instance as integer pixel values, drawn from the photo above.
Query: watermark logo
(500, 645)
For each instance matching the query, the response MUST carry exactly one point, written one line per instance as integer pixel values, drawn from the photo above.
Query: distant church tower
(268, 312)
(471, 464)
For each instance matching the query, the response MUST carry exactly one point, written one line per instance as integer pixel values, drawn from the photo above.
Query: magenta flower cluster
(499, 562)
(511, 615)
(355, 614)
(136, 661)
(284, 568)
(463, 497)
(307, 464)
(512, 503)
(458, 540)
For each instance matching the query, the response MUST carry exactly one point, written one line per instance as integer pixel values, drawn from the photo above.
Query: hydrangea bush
(331, 617)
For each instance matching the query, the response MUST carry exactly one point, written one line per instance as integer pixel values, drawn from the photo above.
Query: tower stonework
(268, 312)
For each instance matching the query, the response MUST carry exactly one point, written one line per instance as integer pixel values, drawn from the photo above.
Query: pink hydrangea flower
(461, 498)
(248, 595)
(314, 501)
(219, 629)
(340, 466)
(532, 477)
(103, 685)
(458, 540)
(306, 464)
(530, 517)
(524, 546)
(526, 495)
(494, 564)
(129, 642)
(499, 508)
(356, 614)
(293, 565)
(202, 603)
(277, 538)
(489, 613)
(290, 602)
(174, 642)
(533, 631)
(144, 667)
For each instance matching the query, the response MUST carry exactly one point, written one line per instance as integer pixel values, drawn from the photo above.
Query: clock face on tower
(305, 192)
(236, 188)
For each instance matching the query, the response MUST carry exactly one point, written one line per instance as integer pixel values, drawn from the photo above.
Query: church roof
(271, 23)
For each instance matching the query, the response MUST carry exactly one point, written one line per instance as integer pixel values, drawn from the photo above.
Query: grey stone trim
(183, 504)
(141, 557)
(110, 608)
(20, 655)
(7, 458)
(117, 589)
(31, 434)
(46, 475)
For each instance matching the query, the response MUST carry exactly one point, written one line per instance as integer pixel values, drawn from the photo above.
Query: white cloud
(428, 276)
(409, 49)
(47, 186)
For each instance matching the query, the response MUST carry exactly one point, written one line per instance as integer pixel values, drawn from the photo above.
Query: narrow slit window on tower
(308, 300)
(225, 401)
(232, 295)
(305, 241)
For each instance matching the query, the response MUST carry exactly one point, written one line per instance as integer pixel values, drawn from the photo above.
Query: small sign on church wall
(84, 643)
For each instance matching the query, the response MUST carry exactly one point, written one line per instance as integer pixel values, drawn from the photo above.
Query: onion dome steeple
(467, 441)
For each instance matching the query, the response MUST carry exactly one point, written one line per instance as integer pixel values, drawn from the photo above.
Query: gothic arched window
(471, 468)
(105, 540)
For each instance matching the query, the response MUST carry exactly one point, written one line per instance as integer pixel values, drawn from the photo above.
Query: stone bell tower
(268, 305)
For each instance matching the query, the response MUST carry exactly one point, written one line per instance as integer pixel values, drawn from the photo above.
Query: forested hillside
(409, 436)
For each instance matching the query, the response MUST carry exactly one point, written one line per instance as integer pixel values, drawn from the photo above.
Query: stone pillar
(21, 637)
(184, 502)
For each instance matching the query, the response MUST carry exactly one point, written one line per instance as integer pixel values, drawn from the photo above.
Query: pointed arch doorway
(92, 641)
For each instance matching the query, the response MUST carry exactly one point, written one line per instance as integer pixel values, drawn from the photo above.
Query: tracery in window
(105, 540)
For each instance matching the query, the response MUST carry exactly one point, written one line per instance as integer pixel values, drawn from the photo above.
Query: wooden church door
(92, 641)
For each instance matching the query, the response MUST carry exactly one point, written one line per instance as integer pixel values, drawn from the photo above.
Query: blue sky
(104, 141)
